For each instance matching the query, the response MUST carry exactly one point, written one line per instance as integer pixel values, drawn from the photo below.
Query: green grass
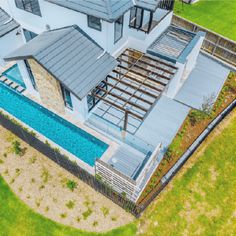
(218, 16)
(17, 219)
(203, 198)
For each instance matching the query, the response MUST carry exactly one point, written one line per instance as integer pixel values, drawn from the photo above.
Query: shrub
(45, 175)
(113, 218)
(123, 194)
(87, 213)
(95, 223)
(32, 160)
(70, 204)
(63, 215)
(196, 116)
(17, 149)
(1, 161)
(105, 211)
(71, 185)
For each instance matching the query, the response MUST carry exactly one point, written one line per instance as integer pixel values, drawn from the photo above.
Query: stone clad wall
(48, 88)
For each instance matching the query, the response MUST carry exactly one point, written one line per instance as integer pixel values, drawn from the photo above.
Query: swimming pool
(13, 73)
(73, 139)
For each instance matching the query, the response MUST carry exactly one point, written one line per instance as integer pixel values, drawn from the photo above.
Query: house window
(67, 97)
(29, 5)
(29, 35)
(141, 19)
(30, 74)
(92, 100)
(94, 22)
(118, 29)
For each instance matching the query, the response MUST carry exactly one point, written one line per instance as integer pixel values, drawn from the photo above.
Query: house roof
(71, 56)
(108, 10)
(148, 4)
(7, 24)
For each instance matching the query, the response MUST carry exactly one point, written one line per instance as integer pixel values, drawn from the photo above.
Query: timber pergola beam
(137, 81)
(152, 59)
(133, 86)
(124, 100)
(119, 107)
(143, 75)
(146, 69)
(128, 93)
(146, 63)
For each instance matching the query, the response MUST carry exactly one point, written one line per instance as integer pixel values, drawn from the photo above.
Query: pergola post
(126, 120)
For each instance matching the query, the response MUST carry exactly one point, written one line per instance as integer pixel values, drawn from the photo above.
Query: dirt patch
(43, 185)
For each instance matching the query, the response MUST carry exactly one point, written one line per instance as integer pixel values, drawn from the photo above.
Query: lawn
(201, 199)
(218, 16)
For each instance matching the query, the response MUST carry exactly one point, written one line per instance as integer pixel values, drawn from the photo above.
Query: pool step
(2, 79)
(12, 84)
(8, 82)
(20, 89)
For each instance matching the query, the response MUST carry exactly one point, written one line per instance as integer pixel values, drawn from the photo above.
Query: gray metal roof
(71, 56)
(108, 10)
(7, 24)
(148, 4)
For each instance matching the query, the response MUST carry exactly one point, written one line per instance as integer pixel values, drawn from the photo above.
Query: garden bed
(193, 126)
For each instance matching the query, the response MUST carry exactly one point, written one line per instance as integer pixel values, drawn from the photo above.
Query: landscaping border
(63, 161)
(189, 152)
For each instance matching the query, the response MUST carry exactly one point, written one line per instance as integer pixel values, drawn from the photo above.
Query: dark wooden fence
(64, 162)
(214, 44)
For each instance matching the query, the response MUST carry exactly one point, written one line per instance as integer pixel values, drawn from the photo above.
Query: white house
(116, 68)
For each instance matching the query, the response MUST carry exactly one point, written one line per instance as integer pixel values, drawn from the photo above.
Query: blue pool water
(71, 138)
(14, 74)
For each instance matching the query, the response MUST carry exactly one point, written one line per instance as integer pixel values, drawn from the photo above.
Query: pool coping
(112, 145)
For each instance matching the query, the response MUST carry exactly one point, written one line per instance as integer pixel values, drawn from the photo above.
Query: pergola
(135, 84)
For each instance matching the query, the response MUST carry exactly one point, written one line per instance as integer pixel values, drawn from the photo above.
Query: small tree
(208, 103)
